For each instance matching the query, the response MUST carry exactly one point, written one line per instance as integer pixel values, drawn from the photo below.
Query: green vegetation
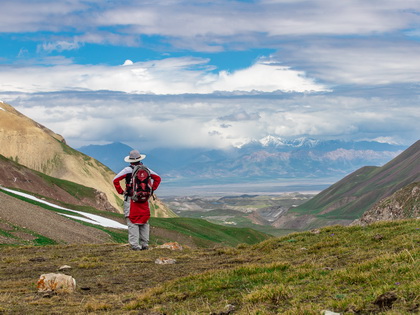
(156, 211)
(244, 211)
(74, 189)
(234, 218)
(199, 233)
(67, 149)
(349, 270)
(344, 269)
(208, 234)
(22, 236)
(53, 163)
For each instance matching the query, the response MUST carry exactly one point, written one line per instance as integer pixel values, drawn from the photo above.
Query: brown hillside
(35, 146)
(14, 212)
(14, 175)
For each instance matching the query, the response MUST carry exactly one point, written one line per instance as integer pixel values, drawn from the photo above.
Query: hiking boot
(145, 247)
(135, 248)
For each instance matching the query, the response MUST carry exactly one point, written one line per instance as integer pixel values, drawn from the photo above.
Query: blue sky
(213, 73)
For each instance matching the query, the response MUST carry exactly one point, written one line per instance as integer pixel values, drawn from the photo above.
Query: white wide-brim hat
(134, 156)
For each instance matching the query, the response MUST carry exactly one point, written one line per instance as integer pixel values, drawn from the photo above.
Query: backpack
(141, 184)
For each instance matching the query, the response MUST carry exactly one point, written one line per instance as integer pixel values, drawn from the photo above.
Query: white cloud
(31, 16)
(241, 115)
(149, 121)
(285, 18)
(389, 140)
(217, 22)
(166, 76)
(266, 77)
(357, 61)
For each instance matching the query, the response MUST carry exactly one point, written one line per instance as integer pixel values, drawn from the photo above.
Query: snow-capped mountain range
(270, 158)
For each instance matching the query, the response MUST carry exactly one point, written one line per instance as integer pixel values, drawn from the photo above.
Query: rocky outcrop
(403, 204)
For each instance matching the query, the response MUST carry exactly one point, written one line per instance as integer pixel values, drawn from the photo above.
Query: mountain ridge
(269, 158)
(351, 197)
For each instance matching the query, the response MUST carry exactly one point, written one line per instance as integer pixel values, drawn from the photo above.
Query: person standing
(137, 214)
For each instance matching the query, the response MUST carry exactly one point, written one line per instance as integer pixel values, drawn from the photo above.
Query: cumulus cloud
(166, 76)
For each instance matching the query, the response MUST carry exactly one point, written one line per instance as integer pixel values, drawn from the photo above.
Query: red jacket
(139, 212)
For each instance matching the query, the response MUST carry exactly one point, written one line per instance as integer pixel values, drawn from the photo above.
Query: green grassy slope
(343, 269)
(208, 234)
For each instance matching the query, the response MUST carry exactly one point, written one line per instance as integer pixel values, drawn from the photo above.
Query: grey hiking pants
(138, 234)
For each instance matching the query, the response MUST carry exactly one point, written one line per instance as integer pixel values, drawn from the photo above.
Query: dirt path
(48, 223)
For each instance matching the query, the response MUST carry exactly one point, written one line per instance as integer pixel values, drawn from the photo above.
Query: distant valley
(267, 166)
(251, 211)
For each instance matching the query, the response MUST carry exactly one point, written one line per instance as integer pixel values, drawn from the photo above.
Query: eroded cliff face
(403, 204)
(36, 147)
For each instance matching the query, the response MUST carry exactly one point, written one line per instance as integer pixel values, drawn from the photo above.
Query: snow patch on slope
(86, 217)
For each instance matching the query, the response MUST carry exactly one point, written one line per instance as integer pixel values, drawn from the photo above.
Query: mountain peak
(272, 141)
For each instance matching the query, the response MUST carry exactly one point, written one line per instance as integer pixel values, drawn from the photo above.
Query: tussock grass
(350, 270)
(344, 269)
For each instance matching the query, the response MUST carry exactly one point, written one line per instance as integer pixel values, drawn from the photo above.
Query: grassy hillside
(349, 198)
(208, 234)
(350, 270)
(16, 176)
(191, 232)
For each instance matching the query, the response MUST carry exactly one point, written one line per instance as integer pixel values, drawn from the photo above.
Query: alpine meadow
(226, 157)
